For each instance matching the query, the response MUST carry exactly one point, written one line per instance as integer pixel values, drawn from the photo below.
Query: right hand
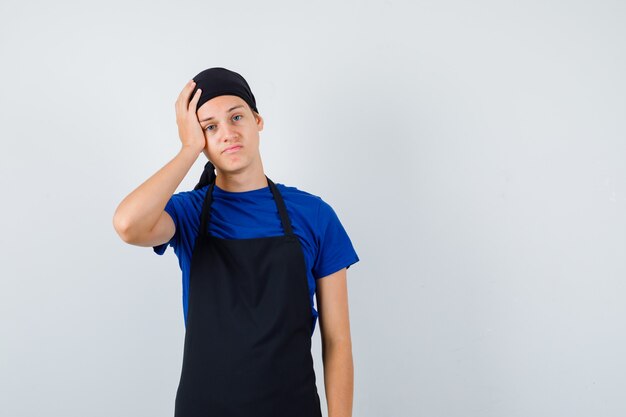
(189, 129)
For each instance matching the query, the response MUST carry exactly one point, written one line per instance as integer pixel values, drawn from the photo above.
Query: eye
(237, 115)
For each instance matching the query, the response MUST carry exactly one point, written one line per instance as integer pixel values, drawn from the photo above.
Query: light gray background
(474, 152)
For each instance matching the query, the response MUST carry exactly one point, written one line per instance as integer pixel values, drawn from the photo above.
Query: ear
(259, 121)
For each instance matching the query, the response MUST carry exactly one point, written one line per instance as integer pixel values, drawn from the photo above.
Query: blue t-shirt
(251, 214)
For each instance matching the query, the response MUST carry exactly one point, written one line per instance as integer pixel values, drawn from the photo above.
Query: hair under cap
(220, 81)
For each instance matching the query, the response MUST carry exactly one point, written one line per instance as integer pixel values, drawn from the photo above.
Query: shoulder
(192, 194)
(328, 241)
(318, 211)
(295, 191)
(190, 197)
(312, 204)
(298, 196)
(185, 205)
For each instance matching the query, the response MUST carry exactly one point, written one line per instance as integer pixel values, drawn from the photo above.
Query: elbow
(122, 227)
(341, 342)
(336, 348)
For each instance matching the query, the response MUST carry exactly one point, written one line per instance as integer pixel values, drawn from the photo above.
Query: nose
(228, 133)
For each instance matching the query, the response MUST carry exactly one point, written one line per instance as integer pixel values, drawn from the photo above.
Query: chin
(235, 167)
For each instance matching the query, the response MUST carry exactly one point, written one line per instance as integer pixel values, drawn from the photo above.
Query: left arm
(332, 303)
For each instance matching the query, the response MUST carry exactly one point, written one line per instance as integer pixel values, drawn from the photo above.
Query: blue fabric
(250, 214)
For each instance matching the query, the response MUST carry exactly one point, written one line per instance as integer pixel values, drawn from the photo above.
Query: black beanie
(219, 81)
(215, 82)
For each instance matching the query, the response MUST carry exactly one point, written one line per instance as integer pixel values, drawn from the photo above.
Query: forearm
(338, 378)
(140, 210)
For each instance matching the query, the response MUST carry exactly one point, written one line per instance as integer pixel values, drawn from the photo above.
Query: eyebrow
(229, 110)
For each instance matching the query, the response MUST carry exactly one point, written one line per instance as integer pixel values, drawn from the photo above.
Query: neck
(241, 181)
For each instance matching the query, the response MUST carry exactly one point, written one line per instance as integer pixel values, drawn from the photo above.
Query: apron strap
(282, 210)
(280, 204)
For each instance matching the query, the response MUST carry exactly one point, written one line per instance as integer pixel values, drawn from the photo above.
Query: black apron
(247, 349)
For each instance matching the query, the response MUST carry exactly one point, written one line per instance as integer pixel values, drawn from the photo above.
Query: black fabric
(247, 348)
(207, 177)
(220, 81)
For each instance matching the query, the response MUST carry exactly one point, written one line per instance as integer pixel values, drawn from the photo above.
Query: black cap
(220, 81)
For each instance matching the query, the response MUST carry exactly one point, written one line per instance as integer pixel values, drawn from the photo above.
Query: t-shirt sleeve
(335, 250)
(171, 208)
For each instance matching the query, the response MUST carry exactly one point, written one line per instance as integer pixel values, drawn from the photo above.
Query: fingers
(182, 101)
(187, 86)
(194, 101)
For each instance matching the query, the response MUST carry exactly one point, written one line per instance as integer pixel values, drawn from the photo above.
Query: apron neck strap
(278, 199)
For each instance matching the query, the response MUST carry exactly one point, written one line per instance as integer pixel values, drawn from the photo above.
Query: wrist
(189, 153)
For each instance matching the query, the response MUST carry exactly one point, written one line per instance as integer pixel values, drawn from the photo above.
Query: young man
(252, 254)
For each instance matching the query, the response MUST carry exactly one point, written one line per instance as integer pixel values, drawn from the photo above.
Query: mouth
(232, 149)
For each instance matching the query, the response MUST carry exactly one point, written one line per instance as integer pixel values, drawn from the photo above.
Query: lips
(233, 148)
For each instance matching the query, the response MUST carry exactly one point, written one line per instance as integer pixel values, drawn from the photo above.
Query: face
(228, 121)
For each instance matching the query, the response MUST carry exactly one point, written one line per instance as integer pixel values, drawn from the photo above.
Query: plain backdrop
(473, 151)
